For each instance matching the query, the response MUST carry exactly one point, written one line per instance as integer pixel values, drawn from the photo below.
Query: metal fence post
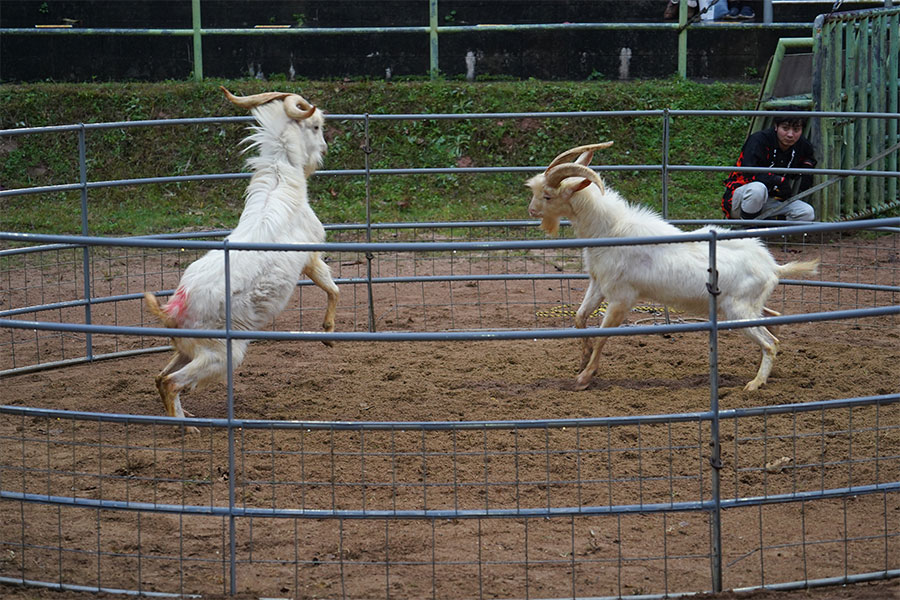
(433, 36)
(232, 533)
(367, 150)
(893, 82)
(664, 171)
(767, 11)
(198, 41)
(682, 39)
(715, 457)
(86, 251)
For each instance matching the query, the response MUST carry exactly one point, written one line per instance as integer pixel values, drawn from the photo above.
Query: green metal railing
(856, 58)
(433, 30)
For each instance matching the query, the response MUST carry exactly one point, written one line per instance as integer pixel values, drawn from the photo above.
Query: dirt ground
(409, 469)
(879, 590)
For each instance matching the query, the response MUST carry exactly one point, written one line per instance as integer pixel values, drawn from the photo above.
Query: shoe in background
(671, 12)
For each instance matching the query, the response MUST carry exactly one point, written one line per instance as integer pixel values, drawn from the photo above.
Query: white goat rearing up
(672, 274)
(291, 145)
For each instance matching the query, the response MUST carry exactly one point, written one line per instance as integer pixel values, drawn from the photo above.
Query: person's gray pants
(752, 200)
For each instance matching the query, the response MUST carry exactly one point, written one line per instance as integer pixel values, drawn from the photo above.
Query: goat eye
(547, 197)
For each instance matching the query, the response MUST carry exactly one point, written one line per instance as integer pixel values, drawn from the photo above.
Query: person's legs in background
(739, 11)
(749, 200)
(671, 12)
(752, 199)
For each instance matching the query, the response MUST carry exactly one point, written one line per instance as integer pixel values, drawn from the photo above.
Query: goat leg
(171, 396)
(768, 312)
(592, 299)
(320, 274)
(615, 314)
(769, 345)
(164, 387)
(177, 361)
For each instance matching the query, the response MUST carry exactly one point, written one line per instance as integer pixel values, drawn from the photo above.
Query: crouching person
(767, 195)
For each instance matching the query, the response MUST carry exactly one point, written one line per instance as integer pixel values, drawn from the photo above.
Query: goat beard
(550, 225)
(312, 166)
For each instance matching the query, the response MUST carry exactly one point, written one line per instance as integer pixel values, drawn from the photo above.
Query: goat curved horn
(298, 108)
(254, 100)
(556, 175)
(569, 154)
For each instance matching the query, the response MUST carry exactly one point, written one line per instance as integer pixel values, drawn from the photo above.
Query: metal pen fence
(90, 499)
(434, 29)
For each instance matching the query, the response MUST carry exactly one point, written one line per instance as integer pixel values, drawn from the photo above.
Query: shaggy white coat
(672, 274)
(276, 210)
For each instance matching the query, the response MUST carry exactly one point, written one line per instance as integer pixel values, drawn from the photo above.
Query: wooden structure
(852, 68)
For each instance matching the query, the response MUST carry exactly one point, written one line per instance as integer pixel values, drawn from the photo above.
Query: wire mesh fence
(410, 291)
(518, 508)
(797, 488)
(530, 509)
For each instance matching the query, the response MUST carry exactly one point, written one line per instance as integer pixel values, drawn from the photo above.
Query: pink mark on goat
(176, 305)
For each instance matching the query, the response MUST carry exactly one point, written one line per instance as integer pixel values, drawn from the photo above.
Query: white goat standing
(291, 145)
(672, 274)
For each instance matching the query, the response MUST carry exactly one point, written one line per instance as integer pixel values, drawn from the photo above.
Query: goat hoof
(191, 430)
(752, 386)
(582, 384)
(328, 343)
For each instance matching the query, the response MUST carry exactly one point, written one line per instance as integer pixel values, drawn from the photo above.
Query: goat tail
(806, 267)
(154, 307)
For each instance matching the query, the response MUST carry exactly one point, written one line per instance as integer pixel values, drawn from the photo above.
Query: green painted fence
(855, 69)
(849, 65)
(434, 30)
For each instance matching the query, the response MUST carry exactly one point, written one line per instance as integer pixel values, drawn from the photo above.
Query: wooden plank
(862, 187)
(852, 84)
(892, 80)
(878, 104)
(833, 206)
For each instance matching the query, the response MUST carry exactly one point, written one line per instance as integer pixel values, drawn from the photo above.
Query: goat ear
(584, 183)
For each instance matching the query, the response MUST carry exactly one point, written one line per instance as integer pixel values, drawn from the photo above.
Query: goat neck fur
(672, 274)
(282, 140)
(290, 146)
(276, 207)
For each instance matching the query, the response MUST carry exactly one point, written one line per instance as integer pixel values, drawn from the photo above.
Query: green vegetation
(135, 152)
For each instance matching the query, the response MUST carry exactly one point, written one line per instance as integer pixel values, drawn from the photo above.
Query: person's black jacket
(761, 150)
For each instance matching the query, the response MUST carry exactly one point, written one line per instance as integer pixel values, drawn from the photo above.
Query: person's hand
(781, 190)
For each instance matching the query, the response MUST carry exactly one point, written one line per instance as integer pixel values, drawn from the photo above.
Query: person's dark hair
(790, 120)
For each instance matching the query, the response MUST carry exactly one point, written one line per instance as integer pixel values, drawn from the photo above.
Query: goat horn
(298, 108)
(569, 154)
(556, 175)
(254, 100)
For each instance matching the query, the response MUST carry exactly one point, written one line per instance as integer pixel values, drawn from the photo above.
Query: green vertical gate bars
(198, 40)
(852, 71)
(433, 39)
(433, 29)
(855, 69)
(766, 99)
(880, 96)
(867, 131)
(893, 66)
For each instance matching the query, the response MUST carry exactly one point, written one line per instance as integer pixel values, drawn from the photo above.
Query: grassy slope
(213, 148)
